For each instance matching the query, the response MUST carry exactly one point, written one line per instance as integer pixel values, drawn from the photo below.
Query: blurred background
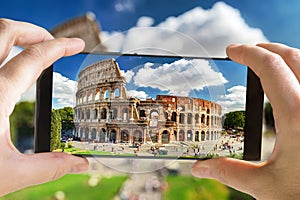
(124, 25)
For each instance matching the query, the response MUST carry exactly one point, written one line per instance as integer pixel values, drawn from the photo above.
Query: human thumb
(42, 167)
(238, 174)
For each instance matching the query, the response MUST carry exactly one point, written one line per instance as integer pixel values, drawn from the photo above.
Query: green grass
(74, 187)
(191, 188)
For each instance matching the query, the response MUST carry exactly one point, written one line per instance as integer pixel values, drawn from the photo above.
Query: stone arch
(106, 94)
(137, 136)
(125, 114)
(203, 119)
(87, 111)
(81, 132)
(207, 120)
(113, 136)
(197, 136)
(181, 118)
(165, 137)
(142, 114)
(94, 134)
(202, 136)
(181, 135)
(189, 135)
(189, 118)
(103, 113)
(86, 133)
(95, 113)
(197, 118)
(102, 135)
(97, 95)
(207, 135)
(174, 117)
(113, 113)
(124, 135)
(117, 93)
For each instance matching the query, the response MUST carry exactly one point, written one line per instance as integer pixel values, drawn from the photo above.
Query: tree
(269, 118)
(22, 125)
(56, 127)
(235, 119)
(67, 119)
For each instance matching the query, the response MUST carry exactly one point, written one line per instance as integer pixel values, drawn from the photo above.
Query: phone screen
(141, 106)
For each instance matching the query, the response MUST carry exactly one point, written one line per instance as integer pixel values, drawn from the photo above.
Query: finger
(14, 33)
(290, 55)
(20, 72)
(41, 168)
(278, 81)
(237, 174)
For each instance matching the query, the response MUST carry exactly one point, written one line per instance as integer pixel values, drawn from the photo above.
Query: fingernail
(201, 172)
(79, 168)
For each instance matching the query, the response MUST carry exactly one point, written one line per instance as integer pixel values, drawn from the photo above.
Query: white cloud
(137, 94)
(145, 21)
(128, 75)
(180, 77)
(234, 100)
(63, 91)
(197, 32)
(124, 5)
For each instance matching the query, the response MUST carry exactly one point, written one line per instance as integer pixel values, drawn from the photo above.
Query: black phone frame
(253, 121)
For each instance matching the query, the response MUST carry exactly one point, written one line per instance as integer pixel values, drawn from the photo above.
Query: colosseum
(105, 113)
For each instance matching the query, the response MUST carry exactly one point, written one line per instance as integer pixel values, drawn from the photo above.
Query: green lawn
(74, 187)
(191, 188)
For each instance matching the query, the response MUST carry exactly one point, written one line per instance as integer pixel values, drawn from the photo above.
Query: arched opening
(97, 96)
(189, 135)
(174, 117)
(86, 134)
(207, 121)
(81, 133)
(117, 93)
(153, 118)
(211, 135)
(197, 136)
(142, 114)
(181, 135)
(124, 136)
(197, 118)
(87, 113)
(165, 137)
(113, 136)
(207, 135)
(181, 118)
(189, 118)
(154, 136)
(113, 113)
(203, 119)
(103, 113)
(137, 136)
(106, 94)
(125, 113)
(202, 135)
(93, 134)
(102, 135)
(95, 113)
(207, 111)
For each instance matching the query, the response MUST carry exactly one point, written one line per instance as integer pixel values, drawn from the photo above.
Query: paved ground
(148, 184)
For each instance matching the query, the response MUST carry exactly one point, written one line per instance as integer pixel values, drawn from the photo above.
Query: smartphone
(115, 105)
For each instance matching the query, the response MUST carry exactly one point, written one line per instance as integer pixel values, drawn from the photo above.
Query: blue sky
(278, 19)
(193, 27)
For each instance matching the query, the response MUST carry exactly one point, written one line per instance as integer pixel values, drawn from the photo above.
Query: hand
(16, 76)
(278, 67)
